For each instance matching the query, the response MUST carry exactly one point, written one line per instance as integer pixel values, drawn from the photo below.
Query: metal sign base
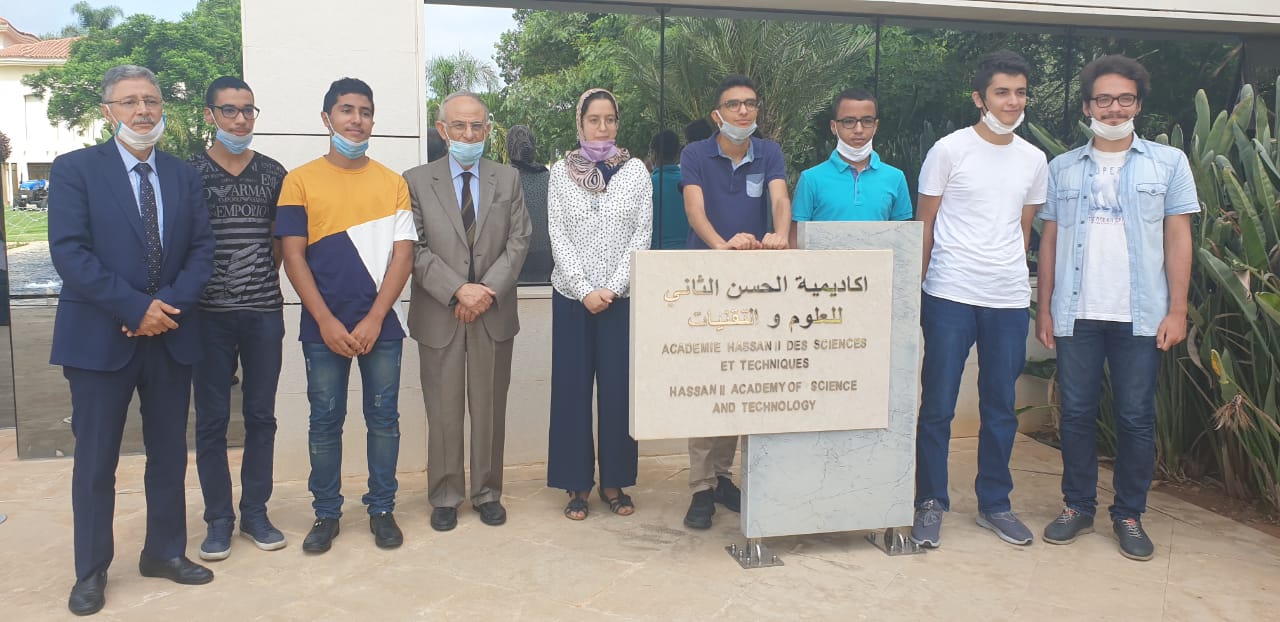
(894, 541)
(753, 554)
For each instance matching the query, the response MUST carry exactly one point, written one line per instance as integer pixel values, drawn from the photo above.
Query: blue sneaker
(926, 530)
(260, 531)
(1007, 526)
(217, 541)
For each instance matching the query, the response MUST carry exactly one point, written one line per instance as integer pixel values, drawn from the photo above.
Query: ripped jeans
(327, 377)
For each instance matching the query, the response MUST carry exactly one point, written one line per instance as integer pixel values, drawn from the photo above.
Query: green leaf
(1227, 279)
(1269, 302)
(1253, 238)
(1200, 137)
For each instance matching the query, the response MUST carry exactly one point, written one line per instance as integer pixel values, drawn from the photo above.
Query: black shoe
(386, 534)
(1133, 539)
(727, 494)
(1069, 525)
(179, 570)
(88, 596)
(701, 509)
(323, 531)
(491, 513)
(444, 519)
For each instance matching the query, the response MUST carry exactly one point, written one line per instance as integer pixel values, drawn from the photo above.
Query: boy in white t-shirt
(979, 189)
(1115, 266)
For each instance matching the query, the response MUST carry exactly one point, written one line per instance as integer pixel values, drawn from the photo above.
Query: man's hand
(774, 241)
(1044, 327)
(335, 336)
(598, 300)
(366, 333)
(157, 319)
(1172, 330)
(741, 242)
(465, 315)
(475, 297)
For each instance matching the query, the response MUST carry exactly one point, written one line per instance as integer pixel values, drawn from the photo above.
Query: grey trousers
(473, 370)
(708, 458)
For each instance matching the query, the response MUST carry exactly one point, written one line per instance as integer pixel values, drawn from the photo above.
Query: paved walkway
(645, 567)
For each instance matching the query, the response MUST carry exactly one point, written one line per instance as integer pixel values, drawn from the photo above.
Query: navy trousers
(99, 403)
(590, 349)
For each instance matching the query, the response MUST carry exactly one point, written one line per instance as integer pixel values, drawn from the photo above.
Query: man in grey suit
(473, 233)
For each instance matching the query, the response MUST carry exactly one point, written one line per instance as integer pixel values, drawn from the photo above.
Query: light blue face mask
(466, 154)
(349, 149)
(235, 144)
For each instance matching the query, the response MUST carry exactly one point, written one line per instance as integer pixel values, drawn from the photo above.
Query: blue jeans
(950, 329)
(256, 338)
(327, 377)
(1134, 363)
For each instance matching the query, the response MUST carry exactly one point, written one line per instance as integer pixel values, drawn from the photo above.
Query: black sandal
(617, 503)
(576, 504)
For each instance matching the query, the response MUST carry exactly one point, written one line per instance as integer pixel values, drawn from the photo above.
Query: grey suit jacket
(441, 257)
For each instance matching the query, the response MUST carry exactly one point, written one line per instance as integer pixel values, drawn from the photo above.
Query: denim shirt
(1155, 182)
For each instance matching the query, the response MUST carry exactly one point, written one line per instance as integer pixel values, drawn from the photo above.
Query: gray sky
(448, 28)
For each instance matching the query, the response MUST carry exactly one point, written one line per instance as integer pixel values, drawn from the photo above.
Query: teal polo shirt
(834, 190)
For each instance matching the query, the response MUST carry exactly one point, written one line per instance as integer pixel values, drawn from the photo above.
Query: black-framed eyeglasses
(229, 112)
(737, 104)
(849, 123)
(1125, 100)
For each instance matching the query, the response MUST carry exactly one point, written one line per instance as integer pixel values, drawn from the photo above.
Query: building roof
(47, 49)
(16, 35)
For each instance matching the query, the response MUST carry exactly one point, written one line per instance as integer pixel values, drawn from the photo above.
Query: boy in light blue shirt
(853, 184)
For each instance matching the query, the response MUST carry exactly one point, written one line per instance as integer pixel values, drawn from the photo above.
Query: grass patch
(25, 226)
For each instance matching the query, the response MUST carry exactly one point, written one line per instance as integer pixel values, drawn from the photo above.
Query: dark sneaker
(728, 494)
(1134, 542)
(321, 536)
(260, 531)
(386, 534)
(701, 509)
(1067, 527)
(217, 541)
(1007, 526)
(926, 529)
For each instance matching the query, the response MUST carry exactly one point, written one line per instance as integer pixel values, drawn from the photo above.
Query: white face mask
(996, 126)
(138, 141)
(851, 153)
(1111, 132)
(736, 134)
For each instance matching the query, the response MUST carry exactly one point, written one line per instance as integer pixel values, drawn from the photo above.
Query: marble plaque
(851, 479)
(730, 342)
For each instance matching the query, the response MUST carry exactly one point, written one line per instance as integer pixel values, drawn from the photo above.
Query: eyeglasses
(1105, 101)
(737, 104)
(849, 123)
(458, 127)
(230, 112)
(148, 102)
(609, 121)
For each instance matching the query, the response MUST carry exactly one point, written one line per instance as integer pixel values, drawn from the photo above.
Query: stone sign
(762, 342)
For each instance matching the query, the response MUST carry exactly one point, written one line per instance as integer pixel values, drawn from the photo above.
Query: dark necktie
(468, 209)
(151, 225)
(469, 222)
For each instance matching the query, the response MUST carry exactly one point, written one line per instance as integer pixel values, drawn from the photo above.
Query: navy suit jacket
(98, 247)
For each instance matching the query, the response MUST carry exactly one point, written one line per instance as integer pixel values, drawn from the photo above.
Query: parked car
(33, 195)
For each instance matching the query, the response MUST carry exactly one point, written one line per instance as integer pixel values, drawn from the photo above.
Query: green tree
(186, 55)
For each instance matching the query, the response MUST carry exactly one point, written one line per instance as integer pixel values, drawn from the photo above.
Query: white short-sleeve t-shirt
(978, 256)
(1104, 284)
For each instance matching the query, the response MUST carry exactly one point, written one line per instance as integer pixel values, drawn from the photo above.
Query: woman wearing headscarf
(522, 152)
(599, 210)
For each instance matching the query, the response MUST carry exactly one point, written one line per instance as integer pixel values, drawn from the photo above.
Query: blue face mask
(235, 144)
(350, 150)
(466, 154)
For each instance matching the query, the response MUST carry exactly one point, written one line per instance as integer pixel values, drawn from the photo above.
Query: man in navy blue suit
(129, 235)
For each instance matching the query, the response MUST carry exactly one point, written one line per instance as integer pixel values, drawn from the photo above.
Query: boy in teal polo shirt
(853, 184)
